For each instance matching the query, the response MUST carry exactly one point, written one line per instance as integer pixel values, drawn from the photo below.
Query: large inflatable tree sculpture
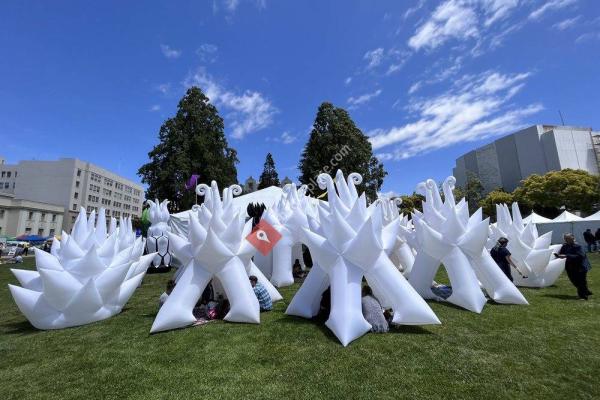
(158, 239)
(215, 248)
(87, 277)
(533, 254)
(346, 245)
(447, 235)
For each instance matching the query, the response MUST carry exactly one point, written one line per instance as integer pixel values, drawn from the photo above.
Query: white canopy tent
(268, 196)
(536, 219)
(568, 222)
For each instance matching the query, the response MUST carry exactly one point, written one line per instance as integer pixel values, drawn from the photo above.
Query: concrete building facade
(18, 217)
(534, 150)
(71, 184)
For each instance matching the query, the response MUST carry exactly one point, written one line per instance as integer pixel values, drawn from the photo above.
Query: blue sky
(426, 80)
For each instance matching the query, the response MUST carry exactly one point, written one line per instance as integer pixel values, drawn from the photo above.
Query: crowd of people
(592, 240)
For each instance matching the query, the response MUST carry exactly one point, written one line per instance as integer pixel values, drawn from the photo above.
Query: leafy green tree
(498, 196)
(546, 194)
(191, 142)
(412, 202)
(472, 191)
(337, 143)
(269, 176)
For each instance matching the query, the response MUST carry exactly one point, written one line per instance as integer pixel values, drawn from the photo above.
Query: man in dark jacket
(597, 237)
(577, 265)
(590, 239)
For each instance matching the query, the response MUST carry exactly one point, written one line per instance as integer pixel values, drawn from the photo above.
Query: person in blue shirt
(263, 296)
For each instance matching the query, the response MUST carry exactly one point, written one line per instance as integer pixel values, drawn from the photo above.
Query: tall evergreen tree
(269, 175)
(192, 142)
(336, 143)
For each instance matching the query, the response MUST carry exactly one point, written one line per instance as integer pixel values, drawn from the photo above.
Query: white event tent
(567, 222)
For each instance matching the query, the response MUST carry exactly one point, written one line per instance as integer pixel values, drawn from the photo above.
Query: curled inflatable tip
(355, 178)
(451, 182)
(323, 179)
(430, 184)
(421, 188)
(235, 189)
(397, 201)
(202, 189)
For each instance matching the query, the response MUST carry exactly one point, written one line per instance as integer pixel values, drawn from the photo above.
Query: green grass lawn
(547, 350)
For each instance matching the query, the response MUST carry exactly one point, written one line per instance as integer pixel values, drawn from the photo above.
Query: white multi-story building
(538, 149)
(24, 217)
(71, 184)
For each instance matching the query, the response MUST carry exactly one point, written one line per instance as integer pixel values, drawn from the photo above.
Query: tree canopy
(191, 142)
(546, 194)
(498, 196)
(269, 176)
(411, 203)
(337, 143)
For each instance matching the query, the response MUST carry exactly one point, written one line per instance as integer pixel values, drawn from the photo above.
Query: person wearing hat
(501, 255)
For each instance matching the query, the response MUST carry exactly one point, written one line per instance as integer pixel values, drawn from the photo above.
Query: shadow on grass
(318, 322)
(561, 296)
(409, 330)
(21, 327)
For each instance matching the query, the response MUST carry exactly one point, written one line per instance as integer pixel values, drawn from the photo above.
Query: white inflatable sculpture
(158, 239)
(216, 247)
(87, 277)
(399, 250)
(532, 254)
(288, 217)
(346, 244)
(447, 235)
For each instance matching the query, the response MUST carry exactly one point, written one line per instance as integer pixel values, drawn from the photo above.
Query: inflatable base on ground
(158, 270)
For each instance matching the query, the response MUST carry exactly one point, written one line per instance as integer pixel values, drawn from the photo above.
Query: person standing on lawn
(501, 255)
(577, 265)
(590, 239)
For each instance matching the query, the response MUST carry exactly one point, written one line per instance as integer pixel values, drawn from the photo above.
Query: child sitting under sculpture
(373, 312)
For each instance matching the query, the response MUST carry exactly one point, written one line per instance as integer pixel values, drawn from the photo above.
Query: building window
(76, 184)
(53, 217)
(0, 229)
(3, 174)
(15, 174)
(28, 231)
(41, 232)
(78, 172)
(43, 216)
(13, 185)
(108, 213)
(74, 207)
(76, 195)
(51, 232)
(8, 174)
(1, 213)
(72, 219)
(6, 185)
(30, 215)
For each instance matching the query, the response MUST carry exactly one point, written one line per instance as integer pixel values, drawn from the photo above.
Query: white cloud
(567, 23)
(231, 5)
(374, 57)
(207, 52)
(155, 108)
(464, 20)
(287, 138)
(496, 10)
(475, 108)
(169, 52)
(347, 81)
(415, 87)
(410, 11)
(550, 6)
(451, 19)
(248, 112)
(588, 36)
(362, 99)
(163, 88)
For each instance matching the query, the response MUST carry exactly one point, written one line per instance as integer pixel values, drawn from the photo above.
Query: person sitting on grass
(166, 293)
(373, 312)
(297, 270)
(264, 299)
